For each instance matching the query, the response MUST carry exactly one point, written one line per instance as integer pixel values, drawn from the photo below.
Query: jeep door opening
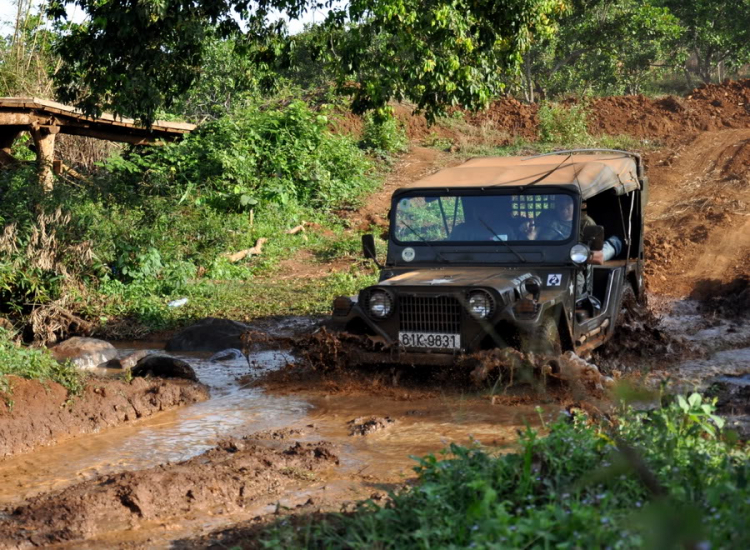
(501, 251)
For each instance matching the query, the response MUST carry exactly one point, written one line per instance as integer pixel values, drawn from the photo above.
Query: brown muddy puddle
(381, 459)
(372, 463)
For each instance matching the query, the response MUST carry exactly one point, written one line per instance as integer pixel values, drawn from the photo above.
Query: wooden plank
(58, 108)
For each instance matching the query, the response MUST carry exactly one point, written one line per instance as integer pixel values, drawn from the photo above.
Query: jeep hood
(460, 276)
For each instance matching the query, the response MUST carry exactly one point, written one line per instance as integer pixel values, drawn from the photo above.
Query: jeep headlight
(579, 254)
(380, 304)
(480, 304)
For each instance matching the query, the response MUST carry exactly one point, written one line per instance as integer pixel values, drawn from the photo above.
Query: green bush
(383, 134)
(154, 220)
(33, 363)
(664, 479)
(564, 125)
(252, 158)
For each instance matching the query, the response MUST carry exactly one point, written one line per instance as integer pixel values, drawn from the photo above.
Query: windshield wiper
(438, 254)
(494, 234)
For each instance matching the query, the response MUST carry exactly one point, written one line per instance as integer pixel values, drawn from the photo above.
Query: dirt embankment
(38, 414)
(708, 108)
(227, 478)
(699, 216)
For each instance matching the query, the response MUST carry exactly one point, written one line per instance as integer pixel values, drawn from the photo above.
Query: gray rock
(127, 362)
(210, 334)
(131, 360)
(85, 353)
(163, 366)
(227, 355)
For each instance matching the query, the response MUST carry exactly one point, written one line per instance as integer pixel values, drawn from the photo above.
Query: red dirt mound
(44, 414)
(698, 222)
(511, 116)
(708, 108)
(234, 474)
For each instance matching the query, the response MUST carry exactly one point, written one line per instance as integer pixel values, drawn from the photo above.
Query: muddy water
(380, 459)
(167, 437)
(420, 427)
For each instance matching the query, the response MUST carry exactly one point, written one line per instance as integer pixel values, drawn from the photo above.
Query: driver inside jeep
(558, 223)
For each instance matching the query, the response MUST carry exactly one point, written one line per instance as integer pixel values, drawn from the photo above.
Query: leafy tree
(610, 46)
(25, 55)
(717, 32)
(434, 53)
(229, 77)
(134, 57)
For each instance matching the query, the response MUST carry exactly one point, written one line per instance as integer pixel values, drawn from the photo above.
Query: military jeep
(500, 251)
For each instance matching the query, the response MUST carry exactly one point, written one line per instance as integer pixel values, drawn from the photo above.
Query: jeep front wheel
(544, 339)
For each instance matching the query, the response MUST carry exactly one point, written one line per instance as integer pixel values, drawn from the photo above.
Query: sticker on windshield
(408, 254)
(554, 279)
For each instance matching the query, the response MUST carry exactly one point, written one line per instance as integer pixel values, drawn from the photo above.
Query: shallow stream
(380, 459)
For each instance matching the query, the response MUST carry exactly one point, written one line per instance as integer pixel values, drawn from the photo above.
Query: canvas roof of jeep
(589, 174)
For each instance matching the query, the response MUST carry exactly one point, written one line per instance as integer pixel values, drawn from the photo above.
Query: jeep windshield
(472, 218)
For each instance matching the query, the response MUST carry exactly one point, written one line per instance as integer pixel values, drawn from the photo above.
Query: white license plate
(433, 340)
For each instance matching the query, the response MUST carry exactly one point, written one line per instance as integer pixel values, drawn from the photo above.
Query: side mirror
(368, 247)
(593, 236)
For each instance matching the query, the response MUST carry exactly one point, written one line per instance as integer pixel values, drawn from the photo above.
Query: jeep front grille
(441, 314)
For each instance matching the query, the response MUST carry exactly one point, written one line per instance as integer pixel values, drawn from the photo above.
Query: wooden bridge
(45, 119)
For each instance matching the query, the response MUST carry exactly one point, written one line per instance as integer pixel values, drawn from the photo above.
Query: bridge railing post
(44, 140)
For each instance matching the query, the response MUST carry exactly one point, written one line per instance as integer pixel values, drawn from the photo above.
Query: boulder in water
(210, 334)
(164, 366)
(84, 353)
(227, 355)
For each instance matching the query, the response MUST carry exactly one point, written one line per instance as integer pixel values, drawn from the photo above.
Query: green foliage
(656, 480)
(254, 158)
(137, 58)
(34, 364)
(26, 56)
(716, 31)
(228, 79)
(563, 124)
(383, 134)
(155, 224)
(436, 54)
(602, 46)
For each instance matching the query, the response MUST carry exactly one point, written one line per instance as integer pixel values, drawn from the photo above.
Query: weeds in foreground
(34, 364)
(660, 479)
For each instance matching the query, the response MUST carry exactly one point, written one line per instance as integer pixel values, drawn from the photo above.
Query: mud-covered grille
(440, 314)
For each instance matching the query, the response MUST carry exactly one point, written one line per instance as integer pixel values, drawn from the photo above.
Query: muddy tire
(631, 308)
(545, 339)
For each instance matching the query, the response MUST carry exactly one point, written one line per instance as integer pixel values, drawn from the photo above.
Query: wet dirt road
(405, 426)
(372, 430)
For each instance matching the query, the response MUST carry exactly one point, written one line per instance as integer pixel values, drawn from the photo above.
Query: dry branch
(254, 251)
(295, 230)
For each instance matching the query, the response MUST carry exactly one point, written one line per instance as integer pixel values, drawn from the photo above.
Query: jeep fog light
(480, 304)
(380, 304)
(579, 254)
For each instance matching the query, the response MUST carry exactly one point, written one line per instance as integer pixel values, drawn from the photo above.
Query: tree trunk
(688, 78)
(44, 140)
(528, 81)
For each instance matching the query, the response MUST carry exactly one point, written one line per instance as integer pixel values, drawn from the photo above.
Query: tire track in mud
(232, 476)
(698, 223)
